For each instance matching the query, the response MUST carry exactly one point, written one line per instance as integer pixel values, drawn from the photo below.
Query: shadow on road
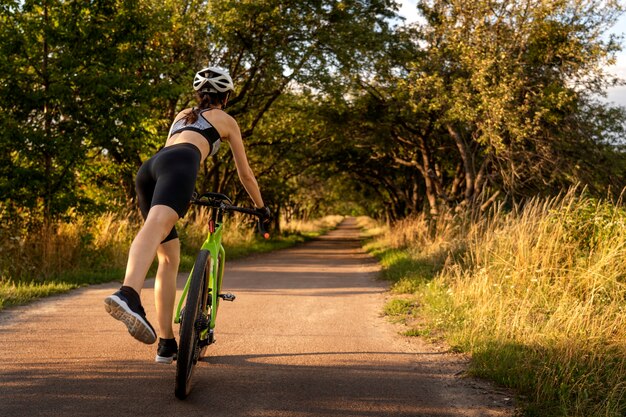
(118, 387)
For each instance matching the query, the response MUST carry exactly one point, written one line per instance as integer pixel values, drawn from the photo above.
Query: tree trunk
(276, 218)
(415, 197)
(47, 203)
(431, 191)
(468, 163)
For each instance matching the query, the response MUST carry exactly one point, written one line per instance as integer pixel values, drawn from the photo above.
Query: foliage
(88, 90)
(69, 95)
(278, 53)
(536, 295)
(488, 100)
(339, 106)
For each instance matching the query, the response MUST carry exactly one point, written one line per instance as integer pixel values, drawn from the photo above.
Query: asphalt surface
(304, 338)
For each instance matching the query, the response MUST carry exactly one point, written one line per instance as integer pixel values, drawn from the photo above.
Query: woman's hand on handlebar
(265, 216)
(264, 213)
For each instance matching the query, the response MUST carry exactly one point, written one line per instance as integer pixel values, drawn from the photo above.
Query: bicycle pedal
(227, 297)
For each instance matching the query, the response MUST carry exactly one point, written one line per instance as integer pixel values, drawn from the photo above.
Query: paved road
(304, 338)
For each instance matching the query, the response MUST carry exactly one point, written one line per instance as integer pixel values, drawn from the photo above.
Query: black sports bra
(202, 126)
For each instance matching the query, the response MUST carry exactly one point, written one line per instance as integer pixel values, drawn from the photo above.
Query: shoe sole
(165, 359)
(136, 325)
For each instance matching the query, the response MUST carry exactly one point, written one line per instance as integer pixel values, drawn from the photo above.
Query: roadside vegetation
(536, 295)
(88, 251)
(461, 129)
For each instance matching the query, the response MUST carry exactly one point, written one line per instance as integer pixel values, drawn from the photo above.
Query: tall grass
(65, 248)
(88, 250)
(311, 228)
(537, 295)
(41, 261)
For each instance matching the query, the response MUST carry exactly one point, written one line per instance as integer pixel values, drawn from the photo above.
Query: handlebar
(217, 200)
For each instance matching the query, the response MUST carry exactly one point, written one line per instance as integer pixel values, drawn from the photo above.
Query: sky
(615, 95)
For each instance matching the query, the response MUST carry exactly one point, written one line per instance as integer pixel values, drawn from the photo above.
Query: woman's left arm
(246, 176)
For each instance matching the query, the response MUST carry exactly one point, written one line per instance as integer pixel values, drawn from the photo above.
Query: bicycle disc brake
(202, 323)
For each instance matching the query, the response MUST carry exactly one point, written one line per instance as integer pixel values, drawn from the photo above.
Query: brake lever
(261, 229)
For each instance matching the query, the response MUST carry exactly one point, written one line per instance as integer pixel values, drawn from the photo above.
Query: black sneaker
(167, 351)
(132, 314)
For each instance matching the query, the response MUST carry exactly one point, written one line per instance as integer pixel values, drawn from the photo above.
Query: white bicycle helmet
(213, 80)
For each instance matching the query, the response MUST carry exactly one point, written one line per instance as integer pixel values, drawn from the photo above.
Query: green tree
(73, 91)
(89, 88)
(276, 51)
(517, 78)
(495, 98)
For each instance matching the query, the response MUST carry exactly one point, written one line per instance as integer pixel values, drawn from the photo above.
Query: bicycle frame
(201, 293)
(213, 244)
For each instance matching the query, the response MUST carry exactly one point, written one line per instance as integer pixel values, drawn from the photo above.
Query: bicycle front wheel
(191, 324)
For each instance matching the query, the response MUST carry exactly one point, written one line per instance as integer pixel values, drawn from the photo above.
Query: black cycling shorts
(168, 178)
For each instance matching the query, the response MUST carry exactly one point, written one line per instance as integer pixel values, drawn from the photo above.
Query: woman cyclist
(164, 185)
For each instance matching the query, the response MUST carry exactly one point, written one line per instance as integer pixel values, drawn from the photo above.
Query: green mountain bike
(197, 308)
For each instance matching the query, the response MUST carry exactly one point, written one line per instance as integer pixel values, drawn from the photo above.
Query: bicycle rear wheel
(191, 324)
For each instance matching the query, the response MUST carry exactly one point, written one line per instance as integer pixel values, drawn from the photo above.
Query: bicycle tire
(188, 351)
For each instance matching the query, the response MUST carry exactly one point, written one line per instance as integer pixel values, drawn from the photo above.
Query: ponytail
(205, 100)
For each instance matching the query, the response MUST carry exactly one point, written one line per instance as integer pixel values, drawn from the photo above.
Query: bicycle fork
(206, 321)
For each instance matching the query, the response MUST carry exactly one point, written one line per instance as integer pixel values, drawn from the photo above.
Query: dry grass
(56, 258)
(49, 251)
(370, 228)
(313, 227)
(537, 295)
(87, 250)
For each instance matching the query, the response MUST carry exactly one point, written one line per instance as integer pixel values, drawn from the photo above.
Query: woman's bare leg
(165, 285)
(157, 226)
